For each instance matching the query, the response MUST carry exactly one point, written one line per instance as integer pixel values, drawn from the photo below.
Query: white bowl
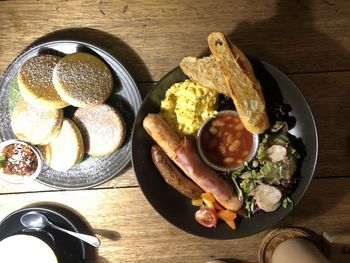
(19, 179)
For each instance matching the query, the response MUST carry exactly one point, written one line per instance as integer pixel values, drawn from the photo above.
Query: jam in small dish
(19, 161)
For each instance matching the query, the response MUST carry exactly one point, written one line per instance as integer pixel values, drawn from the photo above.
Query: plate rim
(33, 47)
(288, 209)
(83, 247)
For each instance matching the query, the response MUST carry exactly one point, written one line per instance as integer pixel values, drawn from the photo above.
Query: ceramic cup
(26, 248)
(297, 250)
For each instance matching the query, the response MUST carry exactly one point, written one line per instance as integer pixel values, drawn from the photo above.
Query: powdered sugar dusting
(82, 79)
(35, 125)
(102, 128)
(35, 76)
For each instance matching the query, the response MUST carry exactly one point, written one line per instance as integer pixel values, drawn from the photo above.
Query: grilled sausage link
(190, 162)
(173, 176)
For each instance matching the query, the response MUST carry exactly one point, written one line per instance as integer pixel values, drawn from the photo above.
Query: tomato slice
(206, 217)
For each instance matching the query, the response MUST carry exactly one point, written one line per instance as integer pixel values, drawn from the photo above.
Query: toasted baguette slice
(244, 88)
(205, 71)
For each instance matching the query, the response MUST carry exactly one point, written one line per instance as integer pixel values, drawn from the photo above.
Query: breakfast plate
(278, 90)
(125, 98)
(67, 248)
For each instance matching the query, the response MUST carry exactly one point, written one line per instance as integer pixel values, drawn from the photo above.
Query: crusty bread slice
(205, 71)
(244, 88)
(66, 150)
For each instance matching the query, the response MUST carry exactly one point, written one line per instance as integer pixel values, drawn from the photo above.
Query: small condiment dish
(224, 144)
(23, 165)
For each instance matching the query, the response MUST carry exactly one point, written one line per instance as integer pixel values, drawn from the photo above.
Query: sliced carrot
(208, 200)
(197, 202)
(228, 216)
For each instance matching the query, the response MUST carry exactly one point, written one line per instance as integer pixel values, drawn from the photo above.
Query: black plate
(176, 208)
(68, 249)
(125, 97)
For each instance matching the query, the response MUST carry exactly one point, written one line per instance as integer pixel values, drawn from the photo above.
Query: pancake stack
(50, 83)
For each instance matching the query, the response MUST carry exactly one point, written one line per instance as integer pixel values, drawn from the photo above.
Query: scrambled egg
(187, 105)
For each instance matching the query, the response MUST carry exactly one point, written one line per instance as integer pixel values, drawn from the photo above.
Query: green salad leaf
(2, 159)
(263, 170)
(286, 202)
(14, 93)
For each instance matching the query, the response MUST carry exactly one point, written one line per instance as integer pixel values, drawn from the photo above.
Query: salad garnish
(266, 181)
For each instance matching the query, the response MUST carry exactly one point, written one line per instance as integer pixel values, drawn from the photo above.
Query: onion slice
(276, 153)
(267, 197)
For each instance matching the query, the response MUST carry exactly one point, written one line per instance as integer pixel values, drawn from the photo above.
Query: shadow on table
(293, 26)
(83, 227)
(292, 19)
(112, 44)
(311, 206)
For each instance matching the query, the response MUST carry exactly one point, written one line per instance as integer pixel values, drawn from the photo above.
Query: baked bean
(222, 148)
(229, 139)
(239, 127)
(234, 146)
(225, 141)
(218, 123)
(213, 130)
(229, 160)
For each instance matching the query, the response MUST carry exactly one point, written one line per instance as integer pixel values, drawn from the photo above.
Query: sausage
(173, 176)
(208, 179)
(162, 134)
(190, 162)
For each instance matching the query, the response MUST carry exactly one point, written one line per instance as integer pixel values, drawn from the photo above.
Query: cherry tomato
(206, 217)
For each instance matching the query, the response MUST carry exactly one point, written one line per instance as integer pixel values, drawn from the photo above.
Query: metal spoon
(35, 220)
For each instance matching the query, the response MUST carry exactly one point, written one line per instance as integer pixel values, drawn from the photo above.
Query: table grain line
(53, 190)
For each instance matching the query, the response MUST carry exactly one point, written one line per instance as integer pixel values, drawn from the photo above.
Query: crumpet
(102, 127)
(82, 80)
(66, 150)
(35, 125)
(35, 82)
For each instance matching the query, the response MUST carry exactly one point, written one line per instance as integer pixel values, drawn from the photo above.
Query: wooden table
(308, 40)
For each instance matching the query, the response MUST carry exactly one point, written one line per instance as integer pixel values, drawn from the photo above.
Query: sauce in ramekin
(224, 143)
(18, 159)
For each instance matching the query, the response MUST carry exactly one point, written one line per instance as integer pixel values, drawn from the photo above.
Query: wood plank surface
(133, 232)
(328, 95)
(151, 38)
(307, 39)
